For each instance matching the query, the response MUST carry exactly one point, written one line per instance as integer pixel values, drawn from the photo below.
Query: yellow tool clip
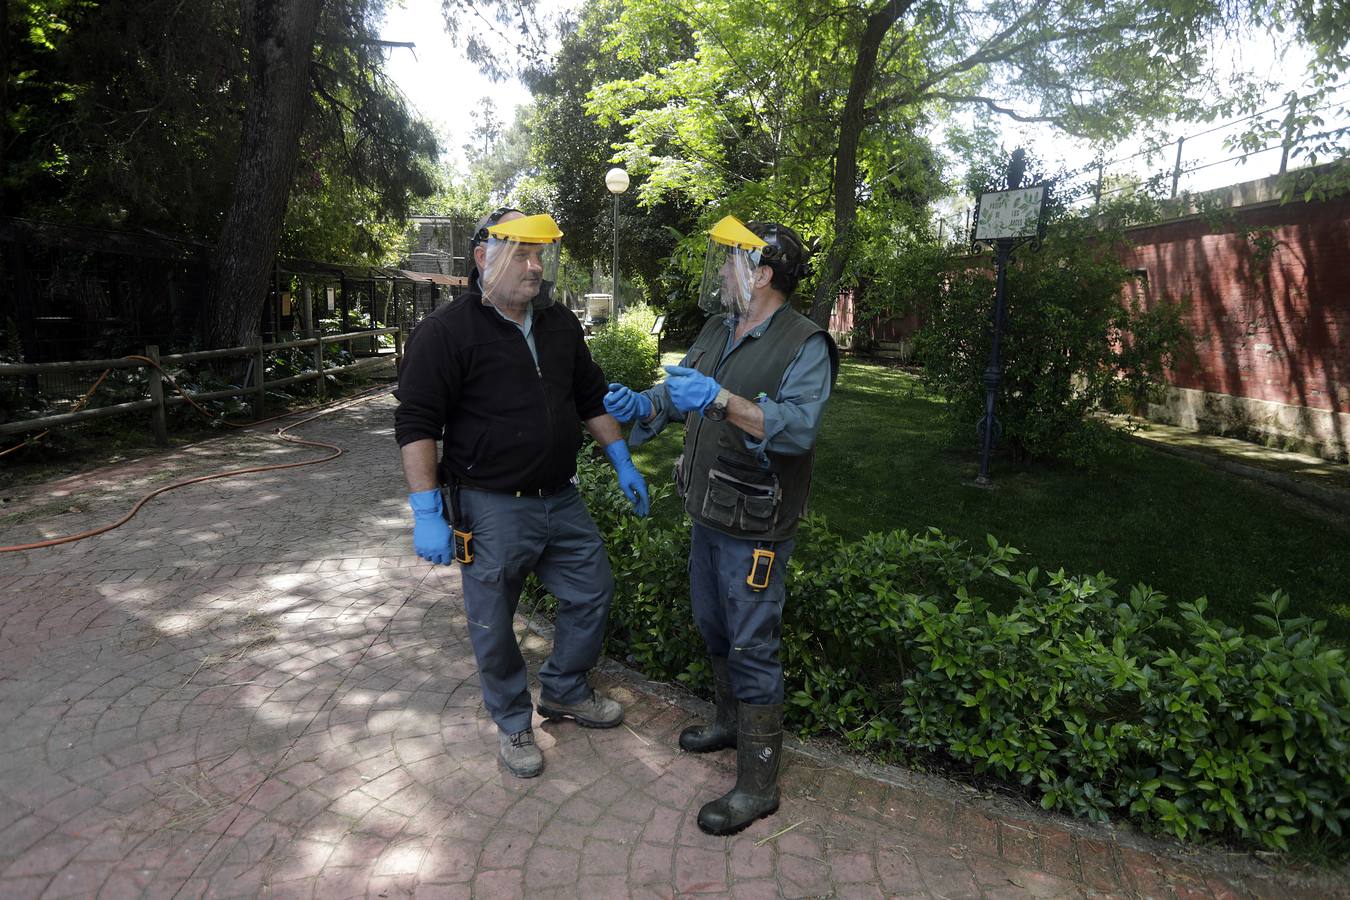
(760, 567)
(463, 546)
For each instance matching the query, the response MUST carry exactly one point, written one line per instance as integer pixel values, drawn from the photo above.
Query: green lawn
(885, 462)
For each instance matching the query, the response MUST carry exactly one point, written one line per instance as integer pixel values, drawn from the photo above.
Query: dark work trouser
(556, 539)
(736, 621)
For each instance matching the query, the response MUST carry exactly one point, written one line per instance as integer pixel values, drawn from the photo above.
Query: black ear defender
(480, 233)
(785, 251)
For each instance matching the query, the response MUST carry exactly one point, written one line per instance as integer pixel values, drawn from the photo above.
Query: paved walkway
(253, 689)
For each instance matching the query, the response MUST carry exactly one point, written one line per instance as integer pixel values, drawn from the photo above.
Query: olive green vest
(723, 485)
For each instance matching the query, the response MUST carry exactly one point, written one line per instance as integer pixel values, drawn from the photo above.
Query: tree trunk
(846, 157)
(279, 35)
(4, 101)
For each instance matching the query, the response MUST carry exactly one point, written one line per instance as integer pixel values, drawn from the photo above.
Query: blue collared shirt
(791, 417)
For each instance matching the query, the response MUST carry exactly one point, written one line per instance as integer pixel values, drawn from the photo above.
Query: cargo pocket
(721, 503)
(482, 601)
(750, 506)
(759, 514)
(484, 574)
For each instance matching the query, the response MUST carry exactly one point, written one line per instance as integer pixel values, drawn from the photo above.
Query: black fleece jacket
(469, 380)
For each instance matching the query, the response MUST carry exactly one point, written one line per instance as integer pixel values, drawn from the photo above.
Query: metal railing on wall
(1093, 175)
(160, 400)
(1088, 184)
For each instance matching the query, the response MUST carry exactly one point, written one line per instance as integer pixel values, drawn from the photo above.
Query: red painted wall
(895, 329)
(1276, 329)
(1273, 329)
(841, 320)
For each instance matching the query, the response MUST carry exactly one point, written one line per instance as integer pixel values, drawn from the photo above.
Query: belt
(532, 492)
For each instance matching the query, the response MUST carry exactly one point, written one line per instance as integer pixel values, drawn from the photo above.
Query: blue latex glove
(632, 483)
(626, 404)
(431, 533)
(690, 390)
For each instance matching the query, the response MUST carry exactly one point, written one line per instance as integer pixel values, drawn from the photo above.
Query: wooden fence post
(158, 420)
(259, 375)
(318, 367)
(307, 309)
(398, 349)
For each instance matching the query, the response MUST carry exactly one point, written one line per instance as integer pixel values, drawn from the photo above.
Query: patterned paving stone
(255, 689)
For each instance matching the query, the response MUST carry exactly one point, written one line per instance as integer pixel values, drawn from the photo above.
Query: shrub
(1094, 704)
(1068, 341)
(626, 350)
(1071, 345)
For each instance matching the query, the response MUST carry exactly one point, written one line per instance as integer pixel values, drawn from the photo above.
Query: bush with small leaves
(625, 349)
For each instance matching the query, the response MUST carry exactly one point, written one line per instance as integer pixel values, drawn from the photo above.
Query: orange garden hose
(281, 433)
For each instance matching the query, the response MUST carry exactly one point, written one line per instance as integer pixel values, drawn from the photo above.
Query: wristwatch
(716, 411)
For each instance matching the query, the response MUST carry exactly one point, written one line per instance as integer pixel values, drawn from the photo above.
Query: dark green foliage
(129, 114)
(123, 113)
(1094, 704)
(1071, 344)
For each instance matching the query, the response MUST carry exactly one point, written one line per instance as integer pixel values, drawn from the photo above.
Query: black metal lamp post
(1004, 219)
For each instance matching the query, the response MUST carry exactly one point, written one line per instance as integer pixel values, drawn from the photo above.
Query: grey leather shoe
(519, 753)
(597, 711)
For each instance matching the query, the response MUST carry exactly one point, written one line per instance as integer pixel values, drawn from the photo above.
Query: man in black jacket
(502, 376)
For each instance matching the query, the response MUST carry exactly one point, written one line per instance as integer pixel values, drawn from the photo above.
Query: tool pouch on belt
(742, 497)
(462, 539)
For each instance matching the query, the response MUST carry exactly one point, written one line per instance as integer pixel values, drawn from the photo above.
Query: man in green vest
(750, 392)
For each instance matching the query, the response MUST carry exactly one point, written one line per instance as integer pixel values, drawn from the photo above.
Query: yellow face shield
(729, 267)
(520, 262)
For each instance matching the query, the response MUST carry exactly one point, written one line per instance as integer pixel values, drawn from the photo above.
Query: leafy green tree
(122, 113)
(827, 102)
(364, 158)
(134, 114)
(571, 151)
(504, 37)
(305, 55)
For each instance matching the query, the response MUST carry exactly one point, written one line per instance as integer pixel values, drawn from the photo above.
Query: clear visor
(728, 274)
(516, 273)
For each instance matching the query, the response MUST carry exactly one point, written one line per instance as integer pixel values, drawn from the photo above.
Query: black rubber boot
(758, 749)
(720, 733)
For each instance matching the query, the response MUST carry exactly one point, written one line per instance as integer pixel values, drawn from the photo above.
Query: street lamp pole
(614, 300)
(993, 373)
(616, 180)
(1004, 219)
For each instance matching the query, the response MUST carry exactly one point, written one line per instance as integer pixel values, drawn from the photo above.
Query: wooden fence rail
(159, 400)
